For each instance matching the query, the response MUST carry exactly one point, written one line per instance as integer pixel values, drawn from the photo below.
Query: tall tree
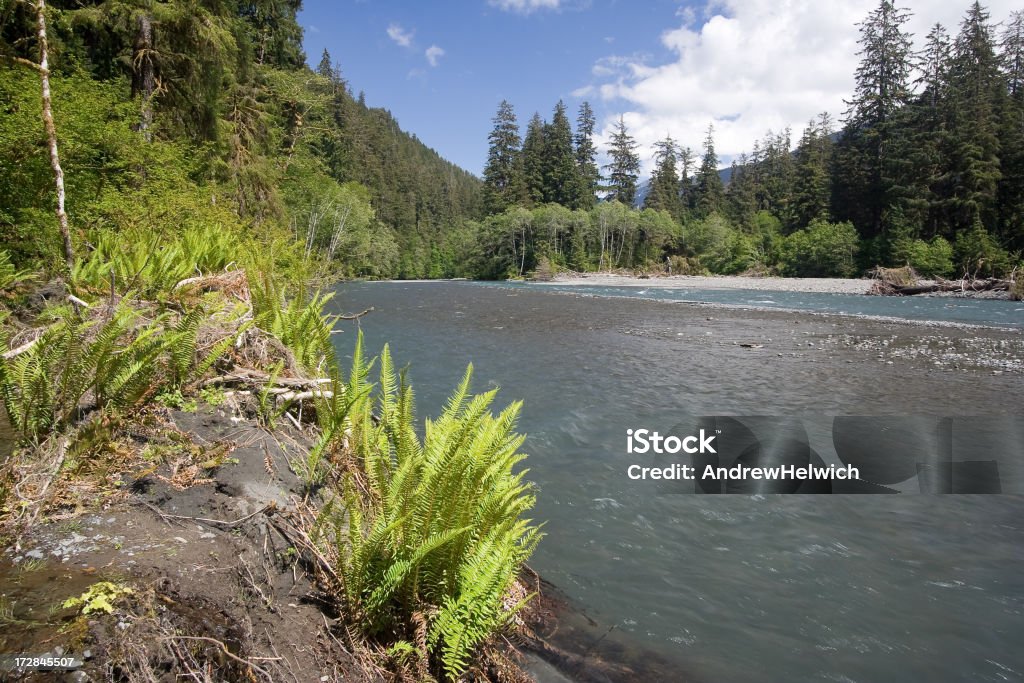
(561, 184)
(663, 193)
(587, 173)
(1011, 187)
(534, 160)
(624, 169)
(51, 131)
(977, 98)
(882, 87)
(709, 190)
(812, 188)
(503, 184)
(687, 164)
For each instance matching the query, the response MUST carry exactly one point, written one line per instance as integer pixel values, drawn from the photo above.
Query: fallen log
(882, 288)
(258, 378)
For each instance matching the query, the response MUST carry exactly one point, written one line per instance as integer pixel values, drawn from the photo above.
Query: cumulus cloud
(749, 66)
(433, 54)
(400, 35)
(524, 6)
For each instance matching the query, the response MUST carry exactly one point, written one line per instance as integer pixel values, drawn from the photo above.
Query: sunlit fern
(441, 530)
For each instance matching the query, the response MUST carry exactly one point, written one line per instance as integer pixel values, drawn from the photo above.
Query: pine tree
(709, 190)
(663, 193)
(624, 169)
(587, 173)
(503, 173)
(561, 183)
(740, 202)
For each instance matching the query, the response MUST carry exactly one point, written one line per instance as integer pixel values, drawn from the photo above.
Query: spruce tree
(1011, 187)
(708, 188)
(882, 87)
(812, 188)
(624, 169)
(587, 173)
(561, 184)
(977, 97)
(503, 175)
(534, 160)
(663, 192)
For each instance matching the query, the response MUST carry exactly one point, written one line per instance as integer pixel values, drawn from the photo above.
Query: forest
(925, 169)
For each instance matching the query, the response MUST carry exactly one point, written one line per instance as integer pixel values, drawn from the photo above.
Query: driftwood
(258, 378)
(883, 288)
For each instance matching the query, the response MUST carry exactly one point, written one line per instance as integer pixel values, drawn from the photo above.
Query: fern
(441, 531)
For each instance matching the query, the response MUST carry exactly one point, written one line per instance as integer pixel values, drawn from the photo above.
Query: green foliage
(100, 597)
(114, 362)
(977, 253)
(822, 249)
(434, 533)
(930, 259)
(300, 324)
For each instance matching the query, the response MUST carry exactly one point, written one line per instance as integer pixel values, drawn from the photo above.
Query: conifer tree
(587, 173)
(1011, 187)
(503, 172)
(977, 97)
(561, 184)
(812, 187)
(534, 160)
(708, 189)
(882, 87)
(663, 193)
(624, 169)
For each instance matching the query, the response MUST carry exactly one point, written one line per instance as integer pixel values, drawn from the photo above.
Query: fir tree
(561, 183)
(882, 87)
(663, 193)
(503, 174)
(534, 160)
(624, 169)
(708, 189)
(812, 188)
(587, 173)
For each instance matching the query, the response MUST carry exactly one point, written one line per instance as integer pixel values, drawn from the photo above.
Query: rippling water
(729, 588)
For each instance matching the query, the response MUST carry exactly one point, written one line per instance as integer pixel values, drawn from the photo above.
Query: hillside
(162, 109)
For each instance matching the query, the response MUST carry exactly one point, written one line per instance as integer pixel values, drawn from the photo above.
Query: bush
(930, 259)
(430, 537)
(822, 249)
(979, 255)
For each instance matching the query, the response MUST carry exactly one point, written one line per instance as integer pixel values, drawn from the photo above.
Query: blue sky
(668, 67)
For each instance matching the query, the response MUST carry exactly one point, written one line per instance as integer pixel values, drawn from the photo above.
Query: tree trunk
(144, 71)
(51, 133)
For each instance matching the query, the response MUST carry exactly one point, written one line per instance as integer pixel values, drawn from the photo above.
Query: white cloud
(750, 66)
(400, 35)
(524, 6)
(433, 54)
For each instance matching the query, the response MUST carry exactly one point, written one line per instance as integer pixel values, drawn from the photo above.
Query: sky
(667, 68)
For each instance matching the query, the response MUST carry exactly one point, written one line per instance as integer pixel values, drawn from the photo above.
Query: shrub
(821, 249)
(431, 536)
(979, 255)
(930, 259)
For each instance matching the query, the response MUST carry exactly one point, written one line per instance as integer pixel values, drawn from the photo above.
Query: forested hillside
(178, 113)
(925, 167)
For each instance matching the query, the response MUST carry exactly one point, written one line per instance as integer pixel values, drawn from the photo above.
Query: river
(737, 588)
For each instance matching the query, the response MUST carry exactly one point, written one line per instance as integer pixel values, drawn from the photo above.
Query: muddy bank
(220, 580)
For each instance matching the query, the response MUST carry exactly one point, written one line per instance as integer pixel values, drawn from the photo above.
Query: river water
(739, 587)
